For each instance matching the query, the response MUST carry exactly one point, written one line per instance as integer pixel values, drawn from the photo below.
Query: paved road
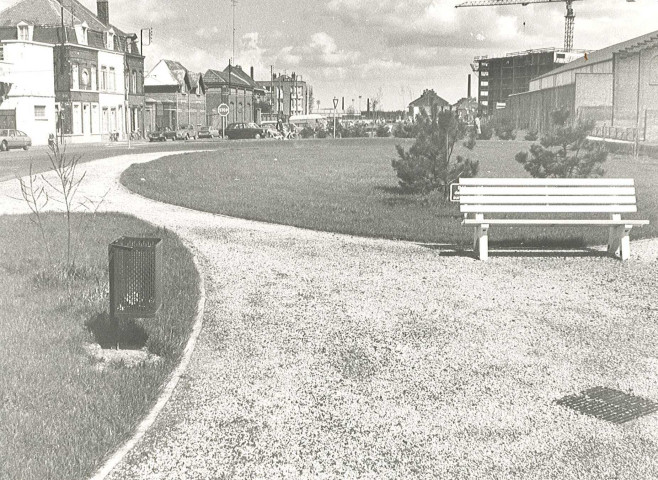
(329, 356)
(17, 162)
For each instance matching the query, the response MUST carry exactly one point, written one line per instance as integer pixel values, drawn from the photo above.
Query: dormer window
(25, 32)
(109, 40)
(81, 33)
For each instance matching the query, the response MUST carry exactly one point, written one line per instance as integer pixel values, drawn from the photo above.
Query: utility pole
(229, 85)
(234, 4)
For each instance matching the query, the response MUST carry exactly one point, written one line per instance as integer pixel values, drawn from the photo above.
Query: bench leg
(625, 250)
(614, 239)
(619, 241)
(481, 242)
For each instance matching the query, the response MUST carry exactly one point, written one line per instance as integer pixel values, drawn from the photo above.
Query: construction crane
(568, 18)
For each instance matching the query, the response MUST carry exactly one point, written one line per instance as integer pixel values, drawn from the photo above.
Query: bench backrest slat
(548, 208)
(541, 195)
(560, 191)
(585, 182)
(552, 200)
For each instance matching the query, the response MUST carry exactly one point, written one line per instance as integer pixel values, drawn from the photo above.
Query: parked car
(162, 134)
(185, 132)
(10, 138)
(208, 132)
(245, 130)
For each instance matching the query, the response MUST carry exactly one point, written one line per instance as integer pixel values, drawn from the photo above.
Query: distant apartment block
(500, 77)
(287, 95)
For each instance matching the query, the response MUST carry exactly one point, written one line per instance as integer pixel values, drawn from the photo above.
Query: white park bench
(592, 199)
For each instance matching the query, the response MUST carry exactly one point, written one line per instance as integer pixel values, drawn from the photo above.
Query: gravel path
(329, 356)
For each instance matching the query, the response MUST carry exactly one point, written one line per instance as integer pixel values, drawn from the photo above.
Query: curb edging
(171, 384)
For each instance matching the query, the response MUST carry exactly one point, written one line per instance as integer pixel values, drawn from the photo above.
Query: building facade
(286, 95)
(616, 87)
(174, 97)
(26, 101)
(235, 88)
(429, 102)
(466, 109)
(95, 70)
(500, 77)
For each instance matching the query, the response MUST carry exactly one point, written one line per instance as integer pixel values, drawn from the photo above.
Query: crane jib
(568, 18)
(495, 3)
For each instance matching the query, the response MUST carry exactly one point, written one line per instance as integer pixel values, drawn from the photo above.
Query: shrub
(428, 165)
(322, 133)
(504, 128)
(307, 132)
(486, 132)
(383, 131)
(565, 152)
(404, 130)
(470, 138)
(355, 130)
(532, 135)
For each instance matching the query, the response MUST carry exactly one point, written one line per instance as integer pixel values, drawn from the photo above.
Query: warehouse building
(616, 87)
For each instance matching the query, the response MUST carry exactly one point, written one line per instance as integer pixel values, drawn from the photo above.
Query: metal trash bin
(135, 277)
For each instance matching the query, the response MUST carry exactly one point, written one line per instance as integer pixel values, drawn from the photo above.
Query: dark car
(245, 130)
(162, 134)
(10, 138)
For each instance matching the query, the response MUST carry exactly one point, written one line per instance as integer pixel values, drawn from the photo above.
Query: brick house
(428, 101)
(236, 89)
(175, 96)
(466, 109)
(72, 72)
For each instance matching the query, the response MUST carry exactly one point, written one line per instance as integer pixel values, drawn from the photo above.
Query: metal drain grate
(609, 404)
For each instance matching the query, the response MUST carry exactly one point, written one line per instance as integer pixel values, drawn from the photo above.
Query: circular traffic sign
(223, 110)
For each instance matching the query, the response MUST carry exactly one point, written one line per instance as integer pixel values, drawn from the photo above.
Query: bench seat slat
(563, 191)
(538, 200)
(548, 208)
(565, 222)
(548, 181)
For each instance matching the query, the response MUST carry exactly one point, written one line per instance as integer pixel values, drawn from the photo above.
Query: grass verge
(349, 186)
(60, 416)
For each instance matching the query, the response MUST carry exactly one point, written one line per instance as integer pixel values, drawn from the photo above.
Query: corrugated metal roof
(603, 55)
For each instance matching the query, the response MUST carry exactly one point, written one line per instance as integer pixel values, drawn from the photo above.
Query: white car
(10, 138)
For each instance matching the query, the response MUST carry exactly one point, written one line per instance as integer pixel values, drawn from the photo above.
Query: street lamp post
(335, 106)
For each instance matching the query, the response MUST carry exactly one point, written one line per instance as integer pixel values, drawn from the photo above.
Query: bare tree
(36, 198)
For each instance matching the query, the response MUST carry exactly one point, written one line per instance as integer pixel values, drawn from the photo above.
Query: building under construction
(500, 77)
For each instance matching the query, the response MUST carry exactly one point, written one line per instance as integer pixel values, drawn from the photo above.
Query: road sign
(223, 110)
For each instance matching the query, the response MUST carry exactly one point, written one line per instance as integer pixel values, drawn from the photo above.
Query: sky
(386, 49)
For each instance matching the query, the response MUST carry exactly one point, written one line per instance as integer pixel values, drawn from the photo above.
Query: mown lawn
(60, 415)
(348, 186)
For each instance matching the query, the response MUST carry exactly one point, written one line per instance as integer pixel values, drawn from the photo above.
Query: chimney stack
(251, 71)
(469, 86)
(103, 11)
